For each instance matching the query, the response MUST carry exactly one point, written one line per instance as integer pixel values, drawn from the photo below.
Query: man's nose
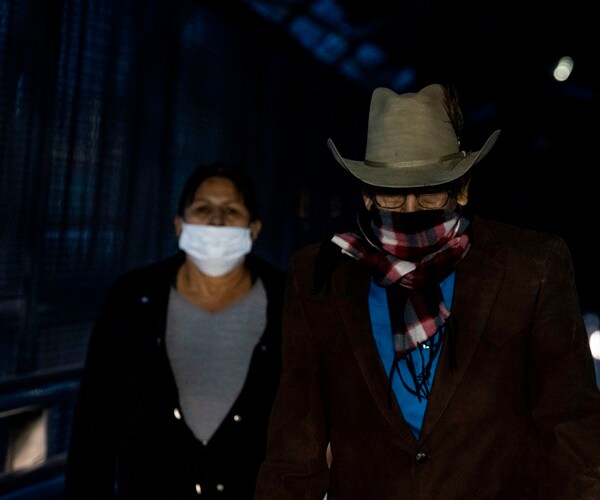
(410, 203)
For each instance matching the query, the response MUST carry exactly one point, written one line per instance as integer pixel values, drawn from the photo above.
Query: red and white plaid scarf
(414, 251)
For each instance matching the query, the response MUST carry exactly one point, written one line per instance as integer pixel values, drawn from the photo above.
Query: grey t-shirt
(210, 354)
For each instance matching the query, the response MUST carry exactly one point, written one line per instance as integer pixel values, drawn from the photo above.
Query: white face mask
(215, 250)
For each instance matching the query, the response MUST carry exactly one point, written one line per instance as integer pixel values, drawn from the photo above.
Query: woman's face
(218, 202)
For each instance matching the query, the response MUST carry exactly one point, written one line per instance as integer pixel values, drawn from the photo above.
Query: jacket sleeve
(567, 407)
(295, 466)
(91, 460)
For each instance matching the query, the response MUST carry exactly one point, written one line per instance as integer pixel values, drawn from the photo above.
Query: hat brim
(412, 176)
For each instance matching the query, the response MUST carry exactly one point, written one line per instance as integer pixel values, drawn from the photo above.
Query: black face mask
(411, 222)
(374, 220)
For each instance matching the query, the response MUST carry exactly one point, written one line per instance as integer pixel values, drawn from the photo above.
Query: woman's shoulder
(152, 275)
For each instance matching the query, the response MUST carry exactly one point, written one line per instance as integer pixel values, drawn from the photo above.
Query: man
(437, 354)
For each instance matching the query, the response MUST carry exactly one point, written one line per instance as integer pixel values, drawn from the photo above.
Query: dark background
(106, 106)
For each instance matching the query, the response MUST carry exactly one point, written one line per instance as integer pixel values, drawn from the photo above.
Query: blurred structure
(105, 107)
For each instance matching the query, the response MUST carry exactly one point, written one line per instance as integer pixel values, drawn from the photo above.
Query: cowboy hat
(411, 141)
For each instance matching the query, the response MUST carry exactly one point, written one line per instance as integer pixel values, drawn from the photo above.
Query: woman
(183, 362)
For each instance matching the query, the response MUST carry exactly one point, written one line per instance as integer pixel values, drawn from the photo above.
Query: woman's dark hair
(235, 174)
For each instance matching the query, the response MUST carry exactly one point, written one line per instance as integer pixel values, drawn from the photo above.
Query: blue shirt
(412, 407)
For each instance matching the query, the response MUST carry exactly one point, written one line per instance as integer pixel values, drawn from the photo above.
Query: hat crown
(409, 127)
(413, 140)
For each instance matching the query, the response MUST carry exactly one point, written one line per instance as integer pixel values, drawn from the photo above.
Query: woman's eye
(203, 209)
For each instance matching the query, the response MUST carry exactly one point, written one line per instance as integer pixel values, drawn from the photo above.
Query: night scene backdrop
(106, 106)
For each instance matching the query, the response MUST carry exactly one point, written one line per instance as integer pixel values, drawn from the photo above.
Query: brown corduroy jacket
(518, 417)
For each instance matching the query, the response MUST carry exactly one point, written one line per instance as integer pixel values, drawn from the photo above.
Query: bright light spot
(563, 69)
(595, 344)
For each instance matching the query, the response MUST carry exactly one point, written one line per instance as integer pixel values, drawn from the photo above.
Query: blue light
(332, 47)
(403, 79)
(370, 55)
(328, 10)
(307, 32)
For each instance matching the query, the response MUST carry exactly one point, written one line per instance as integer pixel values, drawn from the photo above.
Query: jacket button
(177, 413)
(237, 418)
(144, 299)
(421, 457)
(220, 487)
(198, 489)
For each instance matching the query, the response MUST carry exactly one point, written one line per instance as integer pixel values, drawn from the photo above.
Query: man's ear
(463, 195)
(255, 227)
(177, 220)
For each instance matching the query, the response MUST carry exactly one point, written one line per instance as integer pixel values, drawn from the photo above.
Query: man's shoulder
(307, 253)
(505, 231)
(323, 253)
(314, 266)
(509, 238)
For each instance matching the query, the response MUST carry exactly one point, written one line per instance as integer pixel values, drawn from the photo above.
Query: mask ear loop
(363, 220)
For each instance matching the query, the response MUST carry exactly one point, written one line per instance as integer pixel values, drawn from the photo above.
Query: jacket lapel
(473, 300)
(352, 291)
